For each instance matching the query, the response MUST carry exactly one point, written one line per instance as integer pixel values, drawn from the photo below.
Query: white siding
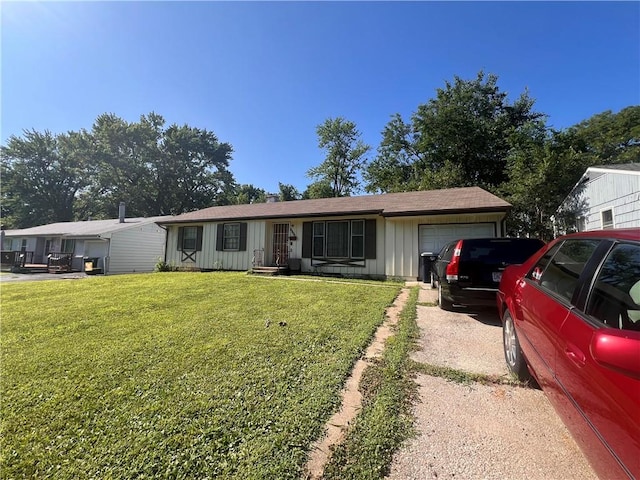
(259, 236)
(208, 257)
(402, 239)
(372, 267)
(617, 191)
(397, 245)
(136, 249)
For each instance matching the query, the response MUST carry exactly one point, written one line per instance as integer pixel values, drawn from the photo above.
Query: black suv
(468, 271)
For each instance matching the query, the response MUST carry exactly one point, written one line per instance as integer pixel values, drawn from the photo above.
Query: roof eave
(272, 217)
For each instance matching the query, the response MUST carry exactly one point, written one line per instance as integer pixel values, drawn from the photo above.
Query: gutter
(454, 211)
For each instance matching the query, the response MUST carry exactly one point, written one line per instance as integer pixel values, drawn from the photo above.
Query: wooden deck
(22, 262)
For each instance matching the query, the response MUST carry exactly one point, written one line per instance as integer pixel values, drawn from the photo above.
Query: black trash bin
(427, 259)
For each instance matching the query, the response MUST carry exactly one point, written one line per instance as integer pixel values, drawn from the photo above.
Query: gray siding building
(605, 197)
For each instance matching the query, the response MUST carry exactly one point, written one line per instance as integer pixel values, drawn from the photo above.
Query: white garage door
(434, 237)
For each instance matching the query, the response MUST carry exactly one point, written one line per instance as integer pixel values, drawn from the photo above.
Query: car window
(536, 273)
(563, 267)
(615, 298)
(500, 250)
(447, 251)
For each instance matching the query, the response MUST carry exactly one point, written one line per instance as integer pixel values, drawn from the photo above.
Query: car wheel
(443, 302)
(512, 351)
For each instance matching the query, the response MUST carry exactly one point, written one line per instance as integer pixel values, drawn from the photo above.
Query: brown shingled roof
(451, 200)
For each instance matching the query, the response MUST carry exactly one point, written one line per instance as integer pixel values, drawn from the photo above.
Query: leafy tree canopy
(246, 194)
(459, 138)
(154, 169)
(288, 192)
(41, 175)
(320, 189)
(344, 156)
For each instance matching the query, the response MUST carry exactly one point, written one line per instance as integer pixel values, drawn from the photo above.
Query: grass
(385, 420)
(175, 375)
(466, 378)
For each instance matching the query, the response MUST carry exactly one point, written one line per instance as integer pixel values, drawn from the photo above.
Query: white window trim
(226, 237)
(349, 245)
(613, 218)
(185, 238)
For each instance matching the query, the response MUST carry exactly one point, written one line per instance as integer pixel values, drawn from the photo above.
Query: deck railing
(16, 258)
(58, 261)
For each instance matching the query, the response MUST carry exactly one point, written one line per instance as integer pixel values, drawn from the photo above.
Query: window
(357, 239)
(581, 224)
(67, 246)
(190, 239)
(558, 270)
(607, 218)
(338, 239)
(23, 245)
(231, 236)
(318, 239)
(615, 299)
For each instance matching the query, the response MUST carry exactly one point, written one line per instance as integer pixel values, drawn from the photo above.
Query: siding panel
(136, 249)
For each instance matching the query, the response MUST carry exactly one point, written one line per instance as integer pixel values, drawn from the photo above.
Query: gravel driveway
(480, 431)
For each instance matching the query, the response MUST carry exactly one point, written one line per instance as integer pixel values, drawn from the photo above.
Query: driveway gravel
(476, 431)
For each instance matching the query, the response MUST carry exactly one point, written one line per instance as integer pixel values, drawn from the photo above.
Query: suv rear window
(500, 250)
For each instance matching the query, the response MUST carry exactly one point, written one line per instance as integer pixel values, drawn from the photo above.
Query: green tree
(246, 194)
(156, 170)
(344, 156)
(320, 189)
(288, 192)
(41, 175)
(459, 138)
(542, 168)
(607, 138)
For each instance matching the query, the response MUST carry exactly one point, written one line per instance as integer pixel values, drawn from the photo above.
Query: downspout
(166, 239)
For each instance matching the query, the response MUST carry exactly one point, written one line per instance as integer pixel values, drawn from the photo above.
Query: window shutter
(199, 239)
(180, 234)
(370, 239)
(220, 238)
(243, 237)
(307, 239)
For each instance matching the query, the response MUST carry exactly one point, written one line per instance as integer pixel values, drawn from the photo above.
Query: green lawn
(175, 375)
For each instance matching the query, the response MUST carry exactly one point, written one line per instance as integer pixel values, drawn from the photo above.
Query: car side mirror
(617, 350)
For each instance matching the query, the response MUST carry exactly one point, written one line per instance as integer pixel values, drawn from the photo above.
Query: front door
(280, 244)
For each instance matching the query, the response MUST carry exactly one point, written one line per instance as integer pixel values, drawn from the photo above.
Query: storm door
(280, 244)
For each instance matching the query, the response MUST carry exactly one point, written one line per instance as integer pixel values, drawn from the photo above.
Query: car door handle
(575, 355)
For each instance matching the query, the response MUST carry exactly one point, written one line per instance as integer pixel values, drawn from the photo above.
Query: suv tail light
(454, 264)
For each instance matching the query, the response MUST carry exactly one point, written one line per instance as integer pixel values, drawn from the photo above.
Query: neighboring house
(605, 197)
(374, 236)
(122, 245)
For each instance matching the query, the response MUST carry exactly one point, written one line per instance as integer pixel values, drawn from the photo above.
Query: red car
(571, 319)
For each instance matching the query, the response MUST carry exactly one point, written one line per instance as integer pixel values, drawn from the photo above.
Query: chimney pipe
(121, 212)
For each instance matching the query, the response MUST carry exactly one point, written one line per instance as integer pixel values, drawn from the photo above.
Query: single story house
(123, 245)
(374, 236)
(605, 197)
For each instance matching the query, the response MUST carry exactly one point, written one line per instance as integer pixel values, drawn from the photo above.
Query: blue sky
(263, 75)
